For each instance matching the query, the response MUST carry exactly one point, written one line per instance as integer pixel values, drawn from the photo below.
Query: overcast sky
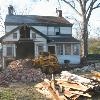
(45, 8)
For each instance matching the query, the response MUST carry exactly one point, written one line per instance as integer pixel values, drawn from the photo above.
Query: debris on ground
(67, 87)
(87, 68)
(21, 71)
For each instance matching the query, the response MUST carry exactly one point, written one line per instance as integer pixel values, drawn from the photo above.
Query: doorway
(51, 49)
(24, 50)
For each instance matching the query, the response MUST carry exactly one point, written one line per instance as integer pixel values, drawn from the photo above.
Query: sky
(45, 8)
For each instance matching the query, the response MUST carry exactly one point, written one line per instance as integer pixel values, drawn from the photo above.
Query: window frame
(59, 49)
(57, 30)
(39, 50)
(76, 49)
(14, 35)
(67, 52)
(33, 35)
(11, 48)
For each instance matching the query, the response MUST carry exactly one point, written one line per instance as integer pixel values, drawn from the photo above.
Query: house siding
(47, 30)
(10, 37)
(42, 29)
(74, 59)
(9, 28)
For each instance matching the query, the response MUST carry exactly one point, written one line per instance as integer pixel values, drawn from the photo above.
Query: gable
(9, 35)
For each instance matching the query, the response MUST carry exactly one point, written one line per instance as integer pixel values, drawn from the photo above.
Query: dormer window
(57, 30)
(14, 35)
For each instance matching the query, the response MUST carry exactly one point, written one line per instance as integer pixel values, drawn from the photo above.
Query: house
(28, 35)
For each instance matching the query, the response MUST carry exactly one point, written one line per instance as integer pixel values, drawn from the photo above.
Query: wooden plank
(76, 86)
(79, 93)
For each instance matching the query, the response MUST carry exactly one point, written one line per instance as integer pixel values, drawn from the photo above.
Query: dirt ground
(20, 91)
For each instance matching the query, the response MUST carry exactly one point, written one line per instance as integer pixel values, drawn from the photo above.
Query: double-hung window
(59, 48)
(10, 51)
(67, 49)
(14, 35)
(40, 49)
(76, 49)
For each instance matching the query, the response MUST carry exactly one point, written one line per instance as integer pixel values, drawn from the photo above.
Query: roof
(63, 39)
(36, 20)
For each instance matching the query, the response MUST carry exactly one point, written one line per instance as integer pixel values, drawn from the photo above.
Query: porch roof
(62, 39)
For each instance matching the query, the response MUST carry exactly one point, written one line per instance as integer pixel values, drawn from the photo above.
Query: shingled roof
(62, 39)
(36, 20)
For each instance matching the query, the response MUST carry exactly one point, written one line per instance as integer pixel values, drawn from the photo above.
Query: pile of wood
(62, 89)
(70, 86)
(47, 62)
(66, 87)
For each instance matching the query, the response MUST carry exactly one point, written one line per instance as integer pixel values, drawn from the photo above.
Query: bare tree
(1, 23)
(86, 8)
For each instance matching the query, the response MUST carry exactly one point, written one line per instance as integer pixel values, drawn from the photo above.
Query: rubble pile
(22, 71)
(87, 68)
(68, 86)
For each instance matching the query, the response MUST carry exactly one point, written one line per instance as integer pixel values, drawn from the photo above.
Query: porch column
(3, 62)
(71, 48)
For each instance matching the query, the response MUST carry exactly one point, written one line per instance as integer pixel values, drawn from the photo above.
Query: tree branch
(96, 6)
(81, 5)
(90, 9)
(72, 7)
(86, 1)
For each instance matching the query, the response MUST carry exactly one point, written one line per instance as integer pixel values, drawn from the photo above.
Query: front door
(51, 49)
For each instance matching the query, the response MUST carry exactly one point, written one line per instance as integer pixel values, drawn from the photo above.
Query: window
(40, 49)
(76, 49)
(10, 51)
(68, 49)
(14, 35)
(33, 35)
(57, 30)
(59, 48)
(50, 30)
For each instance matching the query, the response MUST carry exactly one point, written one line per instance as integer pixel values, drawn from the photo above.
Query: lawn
(20, 91)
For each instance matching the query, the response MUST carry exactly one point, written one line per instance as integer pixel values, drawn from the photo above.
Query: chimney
(59, 12)
(10, 10)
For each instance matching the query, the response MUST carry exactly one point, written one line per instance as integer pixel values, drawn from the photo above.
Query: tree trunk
(85, 42)
(85, 37)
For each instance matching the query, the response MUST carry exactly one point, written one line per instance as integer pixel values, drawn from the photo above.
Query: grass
(19, 91)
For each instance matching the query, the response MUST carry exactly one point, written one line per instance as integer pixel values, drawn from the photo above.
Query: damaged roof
(36, 20)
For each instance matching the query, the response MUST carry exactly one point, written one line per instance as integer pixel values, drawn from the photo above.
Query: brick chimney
(10, 10)
(59, 12)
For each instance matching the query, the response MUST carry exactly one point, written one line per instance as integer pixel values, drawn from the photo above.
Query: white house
(28, 35)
